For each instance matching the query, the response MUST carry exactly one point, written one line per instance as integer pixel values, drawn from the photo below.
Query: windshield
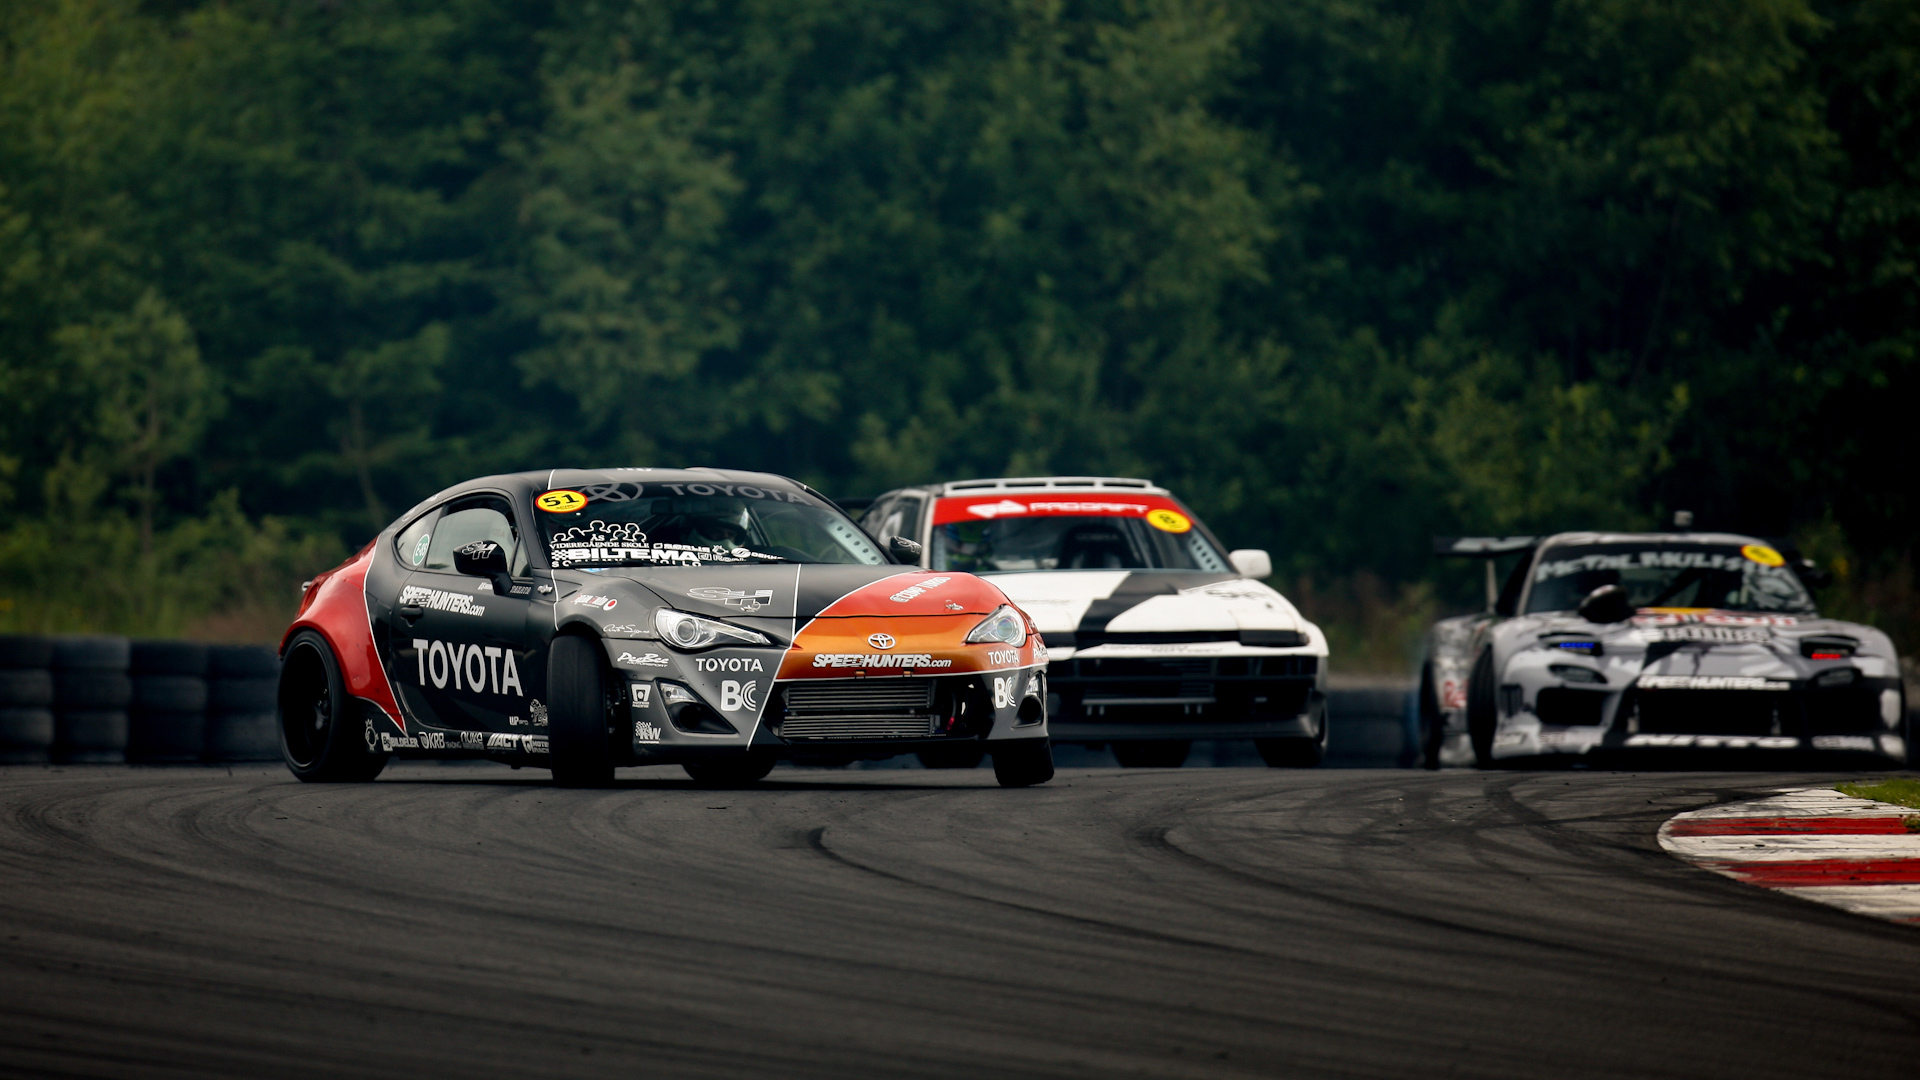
(1070, 533)
(628, 524)
(1729, 577)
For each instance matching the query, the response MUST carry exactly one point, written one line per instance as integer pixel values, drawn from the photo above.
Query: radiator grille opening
(860, 695)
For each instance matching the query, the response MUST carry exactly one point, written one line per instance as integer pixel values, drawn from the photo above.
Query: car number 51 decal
(1171, 521)
(562, 501)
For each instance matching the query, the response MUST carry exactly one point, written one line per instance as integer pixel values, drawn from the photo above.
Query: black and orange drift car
(582, 620)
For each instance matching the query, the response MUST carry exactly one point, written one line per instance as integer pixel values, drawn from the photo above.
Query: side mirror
(484, 558)
(1251, 562)
(907, 551)
(1606, 604)
(1814, 575)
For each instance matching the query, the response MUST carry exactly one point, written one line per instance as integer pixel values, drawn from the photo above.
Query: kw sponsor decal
(1711, 682)
(880, 641)
(645, 732)
(734, 598)
(878, 660)
(438, 600)
(738, 696)
(485, 669)
(642, 695)
(1718, 742)
(1003, 656)
(604, 603)
(652, 659)
(918, 588)
(561, 501)
(727, 663)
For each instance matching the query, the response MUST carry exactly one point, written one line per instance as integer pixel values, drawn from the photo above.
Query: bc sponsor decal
(918, 588)
(734, 598)
(560, 501)
(652, 659)
(1006, 692)
(727, 663)
(1763, 555)
(879, 660)
(439, 600)
(738, 696)
(481, 669)
(1172, 521)
(645, 732)
(642, 695)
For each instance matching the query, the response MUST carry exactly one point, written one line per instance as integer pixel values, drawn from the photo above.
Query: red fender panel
(335, 607)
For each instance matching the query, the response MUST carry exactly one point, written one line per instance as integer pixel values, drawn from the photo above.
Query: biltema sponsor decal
(1710, 682)
(652, 659)
(481, 669)
(604, 603)
(738, 696)
(645, 732)
(438, 600)
(642, 695)
(1003, 656)
(1718, 742)
(727, 663)
(1006, 692)
(880, 641)
(733, 598)
(878, 660)
(625, 542)
(1710, 618)
(1713, 634)
(918, 588)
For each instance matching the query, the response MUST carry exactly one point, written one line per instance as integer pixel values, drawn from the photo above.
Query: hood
(798, 591)
(1118, 601)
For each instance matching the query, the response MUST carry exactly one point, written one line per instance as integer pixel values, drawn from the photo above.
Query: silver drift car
(1632, 642)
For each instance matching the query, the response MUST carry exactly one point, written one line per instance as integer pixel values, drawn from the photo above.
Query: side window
(411, 544)
(908, 511)
(485, 518)
(874, 521)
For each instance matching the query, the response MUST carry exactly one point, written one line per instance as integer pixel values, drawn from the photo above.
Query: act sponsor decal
(727, 663)
(880, 641)
(733, 598)
(736, 696)
(1763, 555)
(560, 501)
(439, 600)
(504, 742)
(878, 660)
(918, 588)
(1172, 521)
(1003, 656)
(642, 695)
(652, 659)
(645, 732)
(1710, 682)
(1718, 742)
(486, 669)
(604, 603)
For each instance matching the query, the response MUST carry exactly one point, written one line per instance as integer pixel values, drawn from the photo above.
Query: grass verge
(1898, 792)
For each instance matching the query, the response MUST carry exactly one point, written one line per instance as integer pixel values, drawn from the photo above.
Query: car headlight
(1578, 674)
(1005, 624)
(684, 631)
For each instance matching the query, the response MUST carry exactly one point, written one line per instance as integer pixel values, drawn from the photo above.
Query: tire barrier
(26, 699)
(168, 718)
(91, 692)
(243, 684)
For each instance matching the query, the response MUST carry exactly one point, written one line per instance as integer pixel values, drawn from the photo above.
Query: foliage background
(1345, 273)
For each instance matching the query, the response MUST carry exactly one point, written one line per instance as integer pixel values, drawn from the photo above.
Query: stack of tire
(168, 719)
(91, 692)
(242, 702)
(26, 699)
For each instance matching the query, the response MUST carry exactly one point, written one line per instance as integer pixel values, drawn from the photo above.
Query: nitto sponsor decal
(1712, 634)
(1718, 742)
(734, 598)
(878, 660)
(918, 588)
(482, 669)
(652, 659)
(736, 696)
(880, 641)
(727, 663)
(645, 732)
(1710, 682)
(437, 600)
(1003, 656)
(604, 603)
(642, 695)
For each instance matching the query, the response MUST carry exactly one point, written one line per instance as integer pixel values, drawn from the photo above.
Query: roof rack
(1031, 483)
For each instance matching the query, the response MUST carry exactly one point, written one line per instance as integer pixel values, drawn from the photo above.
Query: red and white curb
(1814, 843)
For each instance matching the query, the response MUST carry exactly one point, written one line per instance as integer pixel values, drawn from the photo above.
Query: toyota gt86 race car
(586, 619)
(1157, 635)
(1681, 641)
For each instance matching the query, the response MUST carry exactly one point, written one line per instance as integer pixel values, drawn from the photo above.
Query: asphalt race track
(476, 922)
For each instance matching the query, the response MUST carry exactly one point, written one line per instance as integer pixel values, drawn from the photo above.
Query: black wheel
(1433, 723)
(731, 771)
(579, 744)
(1482, 710)
(324, 737)
(964, 756)
(1298, 753)
(1152, 753)
(1023, 763)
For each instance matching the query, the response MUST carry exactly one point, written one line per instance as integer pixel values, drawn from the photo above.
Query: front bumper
(1119, 698)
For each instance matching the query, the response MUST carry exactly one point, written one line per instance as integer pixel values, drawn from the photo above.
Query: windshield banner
(1157, 510)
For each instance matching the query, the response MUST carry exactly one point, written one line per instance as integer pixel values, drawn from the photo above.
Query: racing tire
(1152, 753)
(324, 737)
(1433, 723)
(1023, 763)
(579, 743)
(747, 768)
(1483, 716)
(967, 756)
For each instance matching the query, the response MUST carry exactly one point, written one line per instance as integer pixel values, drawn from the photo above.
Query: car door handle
(411, 612)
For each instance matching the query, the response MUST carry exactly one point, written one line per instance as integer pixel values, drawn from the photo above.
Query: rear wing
(1488, 548)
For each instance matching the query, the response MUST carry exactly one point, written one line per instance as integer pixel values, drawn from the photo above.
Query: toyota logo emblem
(880, 641)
